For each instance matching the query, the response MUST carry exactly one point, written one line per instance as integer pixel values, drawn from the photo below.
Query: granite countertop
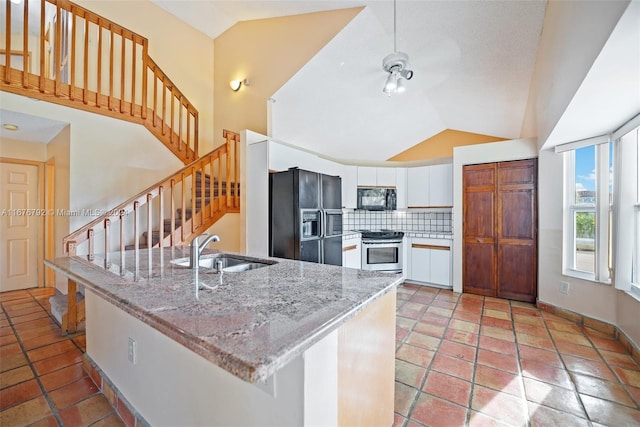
(251, 323)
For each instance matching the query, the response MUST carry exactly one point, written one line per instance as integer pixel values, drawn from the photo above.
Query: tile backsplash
(432, 220)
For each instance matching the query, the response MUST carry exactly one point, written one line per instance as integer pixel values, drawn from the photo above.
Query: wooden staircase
(87, 62)
(84, 61)
(182, 205)
(168, 225)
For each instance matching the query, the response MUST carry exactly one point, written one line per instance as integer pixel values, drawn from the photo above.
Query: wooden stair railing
(177, 208)
(83, 60)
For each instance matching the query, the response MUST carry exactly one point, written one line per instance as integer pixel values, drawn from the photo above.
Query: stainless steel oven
(382, 251)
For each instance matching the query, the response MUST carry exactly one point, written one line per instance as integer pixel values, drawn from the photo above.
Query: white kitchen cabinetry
(430, 186)
(352, 252)
(441, 185)
(386, 177)
(349, 186)
(367, 176)
(401, 188)
(418, 186)
(377, 177)
(283, 157)
(429, 261)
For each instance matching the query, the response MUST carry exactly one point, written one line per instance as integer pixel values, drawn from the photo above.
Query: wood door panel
(517, 172)
(517, 214)
(479, 268)
(517, 272)
(479, 176)
(479, 215)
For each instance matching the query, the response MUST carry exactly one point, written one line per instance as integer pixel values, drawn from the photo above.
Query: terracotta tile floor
(460, 360)
(42, 381)
(480, 361)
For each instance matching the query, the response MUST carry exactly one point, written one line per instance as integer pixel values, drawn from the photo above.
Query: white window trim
(601, 208)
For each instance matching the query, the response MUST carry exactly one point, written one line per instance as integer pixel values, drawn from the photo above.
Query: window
(627, 247)
(588, 205)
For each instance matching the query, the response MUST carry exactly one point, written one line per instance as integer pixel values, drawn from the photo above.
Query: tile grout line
(428, 367)
(475, 363)
(45, 394)
(73, 341)
(564, 366)
(519, 361)
(604, 360)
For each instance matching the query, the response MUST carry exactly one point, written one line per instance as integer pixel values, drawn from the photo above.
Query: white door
(19, 226)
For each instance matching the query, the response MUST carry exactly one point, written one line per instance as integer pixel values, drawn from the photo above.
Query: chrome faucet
(197, 248)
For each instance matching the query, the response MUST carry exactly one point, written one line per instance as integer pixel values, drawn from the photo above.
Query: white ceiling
(610, 93)
(473, 63)
(30, 128)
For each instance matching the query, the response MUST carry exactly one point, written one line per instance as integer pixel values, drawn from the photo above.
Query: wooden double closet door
(500, 230)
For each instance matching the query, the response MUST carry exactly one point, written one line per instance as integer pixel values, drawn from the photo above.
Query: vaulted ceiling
(473, 62)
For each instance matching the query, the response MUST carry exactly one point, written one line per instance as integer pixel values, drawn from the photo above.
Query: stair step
(155, 238)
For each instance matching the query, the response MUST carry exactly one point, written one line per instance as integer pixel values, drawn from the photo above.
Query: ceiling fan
(396, 64)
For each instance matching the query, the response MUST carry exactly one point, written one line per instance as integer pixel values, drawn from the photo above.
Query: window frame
(601, 208)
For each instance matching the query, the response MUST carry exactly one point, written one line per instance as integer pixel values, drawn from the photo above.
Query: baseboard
(595, 324)
(123, 408)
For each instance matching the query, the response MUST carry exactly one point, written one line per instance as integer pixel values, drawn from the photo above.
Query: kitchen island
(291, 343)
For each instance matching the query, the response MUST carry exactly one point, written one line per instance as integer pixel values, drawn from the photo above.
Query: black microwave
(377, 199)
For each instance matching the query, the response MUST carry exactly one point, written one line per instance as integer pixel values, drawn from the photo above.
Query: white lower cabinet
(352, 252)
(429, 261)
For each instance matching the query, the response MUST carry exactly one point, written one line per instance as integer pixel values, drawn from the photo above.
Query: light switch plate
(564, 288)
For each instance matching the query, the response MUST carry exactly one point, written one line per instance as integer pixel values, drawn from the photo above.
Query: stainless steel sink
(238, 268)
(227, 263)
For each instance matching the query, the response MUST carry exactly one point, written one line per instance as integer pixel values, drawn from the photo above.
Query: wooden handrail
(208, 203)
(91, 63)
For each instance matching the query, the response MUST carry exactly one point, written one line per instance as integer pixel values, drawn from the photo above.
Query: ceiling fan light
(391, 84)
(400, 86)
(407, 74)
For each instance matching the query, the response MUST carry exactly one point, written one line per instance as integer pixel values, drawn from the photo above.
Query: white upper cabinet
(349, 186)
(441, 185)
(283, 157)
(386, 177)
(430, 186)
(367, 176)
(401, 188)
(376, 177)
(418, 187)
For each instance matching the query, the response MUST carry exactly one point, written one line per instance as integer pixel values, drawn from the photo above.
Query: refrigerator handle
(323, 222)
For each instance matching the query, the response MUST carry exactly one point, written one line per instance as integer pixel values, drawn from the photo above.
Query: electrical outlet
(132, 355)
(564, 288)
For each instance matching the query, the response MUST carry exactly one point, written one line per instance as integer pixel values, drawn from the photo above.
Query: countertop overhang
(251, 324)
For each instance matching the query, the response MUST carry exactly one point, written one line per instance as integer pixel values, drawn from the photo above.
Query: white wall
(627, 308)
(474, 154)
(14, 149)
(182, 52)
(58, 156)
(585, 297)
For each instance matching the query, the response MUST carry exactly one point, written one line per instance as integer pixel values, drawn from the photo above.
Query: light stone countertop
(251, 324)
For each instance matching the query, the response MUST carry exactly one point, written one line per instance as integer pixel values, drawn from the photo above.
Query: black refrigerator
(305, 216)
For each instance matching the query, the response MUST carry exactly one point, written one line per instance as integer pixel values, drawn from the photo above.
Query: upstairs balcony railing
(57, 51)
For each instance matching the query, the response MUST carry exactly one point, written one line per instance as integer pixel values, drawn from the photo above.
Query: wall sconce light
(237, 84)
(10, 126)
